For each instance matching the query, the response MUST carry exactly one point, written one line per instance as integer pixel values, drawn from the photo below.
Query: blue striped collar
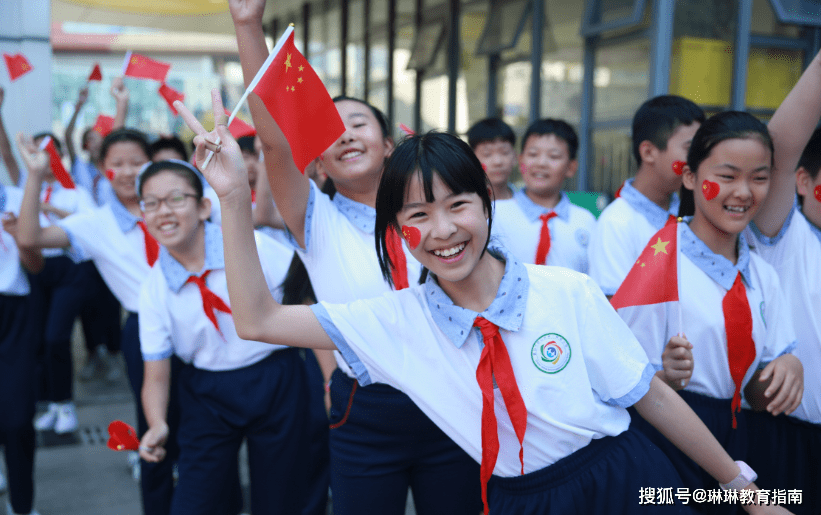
(533, 210)
(360, 215)
(649, 209)
(125, 220)
(506, 310)
(176, 275)
(718, 268)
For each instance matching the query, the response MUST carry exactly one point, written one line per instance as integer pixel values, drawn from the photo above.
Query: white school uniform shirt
(172, 319)
(340, 252)
(109, 235)
(621, 233)
(795, 253)
(75, 200)
(517, 225)
(705, 279)
(418, 341)
(13, 280)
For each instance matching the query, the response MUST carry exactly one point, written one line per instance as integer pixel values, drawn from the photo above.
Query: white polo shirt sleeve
(156, 340)
(611, 252)
(780, 335)
(275, 259)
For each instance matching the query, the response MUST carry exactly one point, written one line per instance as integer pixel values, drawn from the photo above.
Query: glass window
(765, 22)
(356, 49)
(621, 80)
(804, 12)
(613, 159)
(404, 78)
(316, 45)
(605, 15)
(378, 58)
(471, 101)
(333, 61)
(504, 24)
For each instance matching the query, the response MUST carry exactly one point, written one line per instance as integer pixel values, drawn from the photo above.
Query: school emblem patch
(582, 237)
(550, 353)
(763, 319)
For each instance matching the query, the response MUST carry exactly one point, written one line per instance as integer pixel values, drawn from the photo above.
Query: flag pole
(125, 62)
(253, 84)
(678, 283)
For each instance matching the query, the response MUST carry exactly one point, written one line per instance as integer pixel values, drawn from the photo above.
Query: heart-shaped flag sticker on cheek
(484, 167)
(678, 167)
(109, 174)
(818, 193)
(411, 235)
(122, 437)
(710, 189)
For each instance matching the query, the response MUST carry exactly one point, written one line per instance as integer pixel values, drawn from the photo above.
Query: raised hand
(226, 171)
(119, 91)
(37, 161)
(246, 11)
(9, 221)
(82, 97)
(677, 360)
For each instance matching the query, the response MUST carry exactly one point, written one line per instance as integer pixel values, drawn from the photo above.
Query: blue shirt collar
(176, 275)
(125, 220)
(533, 210)
(2, 198)
(718, 268)
(815, 229)
(506, 310)
(649, 209)
(363, 217)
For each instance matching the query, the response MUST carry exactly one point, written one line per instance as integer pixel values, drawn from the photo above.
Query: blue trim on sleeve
(342, 346)
(765, 240)
(788, 350)
(158, 356)
(638, 391)
(309, 214)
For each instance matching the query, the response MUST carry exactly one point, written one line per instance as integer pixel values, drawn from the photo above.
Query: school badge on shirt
(550, 353)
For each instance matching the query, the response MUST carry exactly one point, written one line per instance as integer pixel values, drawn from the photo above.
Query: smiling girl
(546, 338)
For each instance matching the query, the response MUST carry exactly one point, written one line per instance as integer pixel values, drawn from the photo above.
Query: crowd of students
(425, 281)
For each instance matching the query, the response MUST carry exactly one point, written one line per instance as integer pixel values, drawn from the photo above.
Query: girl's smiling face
(173, 227)
(729, 187)
(125, 158)
(452, 229)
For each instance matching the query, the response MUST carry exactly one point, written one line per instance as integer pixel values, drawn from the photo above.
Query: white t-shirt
(576, 363)
(172, 317)
(621, 233)
(795, 253)
(517, 225)
(109, 235)
(340, 252)
(13, 280)
(705, 279)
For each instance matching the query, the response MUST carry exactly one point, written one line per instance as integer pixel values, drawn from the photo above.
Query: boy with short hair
(540, 225)
(493, 142)
(663, 128)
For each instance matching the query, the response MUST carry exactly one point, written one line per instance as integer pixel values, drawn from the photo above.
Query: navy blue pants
(63, 292)
(19, 335)
(100, 316)
(319, 461)
(604, 477)
(381, 444)
(264, 403)
(785, 452)
(717, 416)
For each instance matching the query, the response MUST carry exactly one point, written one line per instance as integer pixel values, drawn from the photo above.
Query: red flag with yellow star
(17, 64)
(654, 277)
(142, 67)
(298, 101)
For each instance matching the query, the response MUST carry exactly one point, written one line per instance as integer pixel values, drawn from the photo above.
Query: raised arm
(5, 147)
(121, 96)
(154, 396)
(790, 127)
(257, 316)
(31, 259)
(69, 134)
(290, 188)
(265, 212)
(30, 233)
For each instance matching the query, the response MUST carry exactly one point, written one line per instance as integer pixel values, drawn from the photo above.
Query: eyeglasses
(174, 201)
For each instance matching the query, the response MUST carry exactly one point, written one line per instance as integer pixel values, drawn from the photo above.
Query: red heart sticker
(412, 236)
(678, 167)
(818, 193)
(484, 167)
(122, 437)
(109, 174)
(710, 189)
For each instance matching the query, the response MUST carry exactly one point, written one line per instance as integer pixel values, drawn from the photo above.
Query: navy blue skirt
(608, 476)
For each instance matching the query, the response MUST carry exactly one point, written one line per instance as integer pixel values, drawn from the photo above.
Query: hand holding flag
(17, 65)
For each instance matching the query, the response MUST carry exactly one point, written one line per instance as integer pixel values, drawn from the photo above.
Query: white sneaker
(47, 420)
(66, 419)
(3, 484)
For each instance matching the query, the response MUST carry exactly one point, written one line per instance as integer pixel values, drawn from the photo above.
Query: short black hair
(168, 143)
(658, 118)
(559, 128)
(490, 130)
(380, 116)
(424, 155)
(246, 144)
(54, 138)
(124, 135)
(811, 157)
(181, 168)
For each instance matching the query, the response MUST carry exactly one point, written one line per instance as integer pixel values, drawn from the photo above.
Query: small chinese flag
(103, 125)
(122, 437)
(298, 101)
(239, 129)
(654, 277)
(142, 67)
(170, 94)
(96, 74)
(57, 167)
(17, 64)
